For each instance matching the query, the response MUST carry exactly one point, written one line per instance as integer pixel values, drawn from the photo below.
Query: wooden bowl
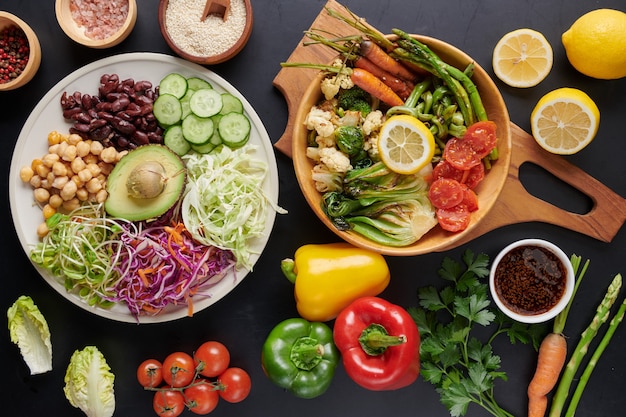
(34, 56)
(77, 33)
(436, 239)
(218, 58)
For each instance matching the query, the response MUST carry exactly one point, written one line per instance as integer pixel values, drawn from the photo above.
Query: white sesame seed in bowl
(213, 40)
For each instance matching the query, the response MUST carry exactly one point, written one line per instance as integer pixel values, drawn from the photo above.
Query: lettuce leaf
(89, 383)
(29, 330)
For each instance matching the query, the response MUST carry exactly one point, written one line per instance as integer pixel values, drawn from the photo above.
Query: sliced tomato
(444, 169)
(473, 176)
(461, 154)
(482, 136)
(455, 219)
(446, 193)
(470, 199)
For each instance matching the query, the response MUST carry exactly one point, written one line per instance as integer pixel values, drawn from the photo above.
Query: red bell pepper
(379, 343)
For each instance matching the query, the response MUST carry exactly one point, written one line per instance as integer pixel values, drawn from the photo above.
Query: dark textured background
(244, 317)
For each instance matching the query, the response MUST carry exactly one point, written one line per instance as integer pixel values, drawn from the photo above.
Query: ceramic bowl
(34, 56)
(437, 239)
(506, 307)
(77, 33)
(186, 53)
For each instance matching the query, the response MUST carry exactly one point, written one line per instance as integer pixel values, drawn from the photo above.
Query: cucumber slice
(205, 102)
(231, 104)
(173, 138)
(204, 148)
(197, 130)
(167, 109)
(174, 84)
(196, 83)
(234, 128)
(184, 102)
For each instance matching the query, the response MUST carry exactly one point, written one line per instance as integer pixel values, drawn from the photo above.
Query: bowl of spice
(97, 23)
(20, 52)
(531, 280)
(206, 32)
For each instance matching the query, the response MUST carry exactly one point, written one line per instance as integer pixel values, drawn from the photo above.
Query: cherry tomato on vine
(168, 403)
(211, 359)
(178, 369)
(150, 373)
(234, 385)
(201, 398)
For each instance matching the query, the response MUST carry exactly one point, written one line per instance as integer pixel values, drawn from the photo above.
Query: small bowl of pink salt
(206, 32)
(97, 23)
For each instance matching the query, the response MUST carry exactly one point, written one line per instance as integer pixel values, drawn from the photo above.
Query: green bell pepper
(300, 356)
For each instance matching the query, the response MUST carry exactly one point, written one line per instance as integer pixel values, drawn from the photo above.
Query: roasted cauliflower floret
(325, 179)
(373, 122)
(320, 121)
(335, 160)
(331, 85)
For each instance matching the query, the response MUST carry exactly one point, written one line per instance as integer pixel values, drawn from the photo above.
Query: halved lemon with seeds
(522, 58)
(564, 121)
(405, 144)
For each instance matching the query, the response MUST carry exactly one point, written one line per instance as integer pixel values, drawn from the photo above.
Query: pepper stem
(375, 339)
(288, 266)
(306, 353)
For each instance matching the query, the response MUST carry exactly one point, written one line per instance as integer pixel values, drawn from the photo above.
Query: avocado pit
(146, 180)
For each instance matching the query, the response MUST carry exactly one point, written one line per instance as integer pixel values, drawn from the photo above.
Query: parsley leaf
(463, 368)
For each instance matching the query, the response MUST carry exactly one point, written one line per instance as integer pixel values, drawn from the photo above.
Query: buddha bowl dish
(487, 191)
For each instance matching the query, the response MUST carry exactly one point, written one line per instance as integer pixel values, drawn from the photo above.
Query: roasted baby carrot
(370, 50)
(550, 362)
(400, 86)
(373, 85)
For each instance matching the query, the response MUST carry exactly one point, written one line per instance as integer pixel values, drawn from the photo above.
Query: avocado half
(166, 174)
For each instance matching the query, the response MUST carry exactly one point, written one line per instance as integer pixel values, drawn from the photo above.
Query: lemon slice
(564, 121)
(405, 144)
(522, 58)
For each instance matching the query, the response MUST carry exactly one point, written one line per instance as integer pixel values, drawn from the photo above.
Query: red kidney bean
(140, 137)
(83, 118)
(69, 113)
(96, 124)
(120, 104)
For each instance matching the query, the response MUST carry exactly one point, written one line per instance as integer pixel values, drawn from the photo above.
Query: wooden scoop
(216, 7)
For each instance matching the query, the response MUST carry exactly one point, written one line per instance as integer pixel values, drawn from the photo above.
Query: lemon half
(405, 144)
(564, 121)
(522, 58)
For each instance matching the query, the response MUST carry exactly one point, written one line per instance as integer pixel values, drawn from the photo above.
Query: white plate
(47, 116)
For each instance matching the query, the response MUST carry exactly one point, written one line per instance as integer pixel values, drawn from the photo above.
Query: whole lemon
(595, 44)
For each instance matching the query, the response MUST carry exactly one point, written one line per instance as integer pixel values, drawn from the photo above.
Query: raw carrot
(550, 362)
(552, 355)
(373, 85)
(401, 87)
(378, 56)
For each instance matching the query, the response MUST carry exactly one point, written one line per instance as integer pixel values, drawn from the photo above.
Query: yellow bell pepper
(328, 277)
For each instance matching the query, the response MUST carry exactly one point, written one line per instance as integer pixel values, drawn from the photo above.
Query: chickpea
(82, 194)
(71, 204)
(73, 139)
(54, 137)
(94, 169)
(59, 169)
(42, 230)
(78, 164)
(50, 159)
(69, 154)
(42, 170)
(85, 175)
(101, 196)
(41, 195)
(69, 191)
(54, 148)
(120, 155)
(94, 185)
(108, 154)
(60, 182)
(45, 184)
(82, 149)
(90, 159)
(78, 181)
(60, 150)
(48, 211)
(35, 181)
(55, 201)
(96, 147)
(26, 173)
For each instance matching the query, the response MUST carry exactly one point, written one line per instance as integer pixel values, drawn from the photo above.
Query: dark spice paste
(530, 280)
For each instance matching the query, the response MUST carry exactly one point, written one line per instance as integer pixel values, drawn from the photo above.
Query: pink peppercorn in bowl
(97, 24)
(531, 280)
(213, 40)
(20, 54)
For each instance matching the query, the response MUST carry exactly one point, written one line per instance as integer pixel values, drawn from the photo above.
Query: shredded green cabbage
(224, 203)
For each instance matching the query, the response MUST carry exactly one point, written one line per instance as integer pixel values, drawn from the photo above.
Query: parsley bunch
(462, 367)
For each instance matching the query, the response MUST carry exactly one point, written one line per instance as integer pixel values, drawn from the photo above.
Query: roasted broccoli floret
(356, 99)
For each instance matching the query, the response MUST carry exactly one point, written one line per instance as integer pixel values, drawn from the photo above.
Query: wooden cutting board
(515, 204)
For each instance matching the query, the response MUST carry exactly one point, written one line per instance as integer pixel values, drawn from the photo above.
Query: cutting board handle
(515, 204)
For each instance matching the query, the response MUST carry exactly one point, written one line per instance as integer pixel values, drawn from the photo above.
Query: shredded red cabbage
(163, 265)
